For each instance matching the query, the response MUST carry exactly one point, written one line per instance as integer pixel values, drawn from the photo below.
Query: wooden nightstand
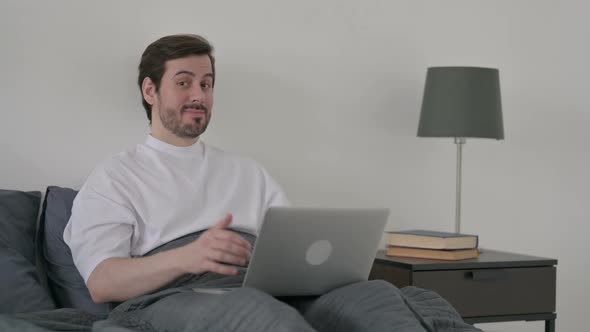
(495, 287)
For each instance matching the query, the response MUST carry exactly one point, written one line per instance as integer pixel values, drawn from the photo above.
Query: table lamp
(461, 102)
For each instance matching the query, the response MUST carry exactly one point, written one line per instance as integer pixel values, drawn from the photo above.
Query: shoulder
(224, 158)
(115, 168)
(244, 168)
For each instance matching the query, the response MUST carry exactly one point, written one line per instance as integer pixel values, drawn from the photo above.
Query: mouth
(196, 110)
(193, 111)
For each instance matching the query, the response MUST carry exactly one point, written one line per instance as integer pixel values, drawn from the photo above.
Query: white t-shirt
(155, 192)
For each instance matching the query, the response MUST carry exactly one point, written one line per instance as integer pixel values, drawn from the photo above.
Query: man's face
(184, 101)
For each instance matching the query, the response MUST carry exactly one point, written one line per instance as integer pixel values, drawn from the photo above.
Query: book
(432, 240)
(450, 255)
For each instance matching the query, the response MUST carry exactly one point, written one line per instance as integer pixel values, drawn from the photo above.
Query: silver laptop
(310, 251)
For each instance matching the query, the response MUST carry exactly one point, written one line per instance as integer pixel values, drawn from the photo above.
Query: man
(171, 186)
(171, 214)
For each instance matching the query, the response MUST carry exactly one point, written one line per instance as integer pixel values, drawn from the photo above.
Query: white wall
(327, 94)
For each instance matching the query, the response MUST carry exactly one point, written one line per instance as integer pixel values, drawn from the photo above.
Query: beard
(172, 120)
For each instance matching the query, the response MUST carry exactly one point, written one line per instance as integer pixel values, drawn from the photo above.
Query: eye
(182, 83)
(206, 85)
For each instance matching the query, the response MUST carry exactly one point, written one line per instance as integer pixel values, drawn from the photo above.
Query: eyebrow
(188, 72)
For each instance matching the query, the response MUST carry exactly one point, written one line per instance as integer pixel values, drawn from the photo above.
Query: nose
(197, 95)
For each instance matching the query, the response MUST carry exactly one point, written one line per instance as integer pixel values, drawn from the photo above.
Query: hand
(216, 250)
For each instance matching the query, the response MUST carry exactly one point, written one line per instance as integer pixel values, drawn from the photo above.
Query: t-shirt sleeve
(100, 227)
(275, 195)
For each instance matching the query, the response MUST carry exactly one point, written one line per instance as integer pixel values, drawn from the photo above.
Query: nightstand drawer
(482, 292)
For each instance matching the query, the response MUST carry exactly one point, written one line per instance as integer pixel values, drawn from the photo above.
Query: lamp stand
(459, 141)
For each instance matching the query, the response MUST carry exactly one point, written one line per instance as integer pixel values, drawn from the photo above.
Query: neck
(165, 136)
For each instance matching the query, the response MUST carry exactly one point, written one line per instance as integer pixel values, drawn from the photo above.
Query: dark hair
(153, 59)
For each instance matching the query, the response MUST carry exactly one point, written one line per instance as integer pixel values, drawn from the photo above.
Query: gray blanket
(418, 310)
(369, 306)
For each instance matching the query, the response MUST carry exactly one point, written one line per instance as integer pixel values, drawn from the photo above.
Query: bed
(41, 290)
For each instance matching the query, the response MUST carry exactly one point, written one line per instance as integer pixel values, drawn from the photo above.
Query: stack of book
(432, 245)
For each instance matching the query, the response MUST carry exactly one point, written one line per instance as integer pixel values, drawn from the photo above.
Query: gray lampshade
(461, 102)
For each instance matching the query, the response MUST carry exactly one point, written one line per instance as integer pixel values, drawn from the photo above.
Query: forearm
(217, 250)
(119, 279)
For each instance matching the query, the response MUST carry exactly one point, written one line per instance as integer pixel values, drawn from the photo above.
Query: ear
(148, 89)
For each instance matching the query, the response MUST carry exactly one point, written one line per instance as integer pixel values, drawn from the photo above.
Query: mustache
(196, 107)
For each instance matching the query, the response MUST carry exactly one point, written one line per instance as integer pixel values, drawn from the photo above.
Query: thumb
(225, 222)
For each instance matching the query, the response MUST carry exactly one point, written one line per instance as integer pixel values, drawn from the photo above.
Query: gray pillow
(64, 280)
(20, 288)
